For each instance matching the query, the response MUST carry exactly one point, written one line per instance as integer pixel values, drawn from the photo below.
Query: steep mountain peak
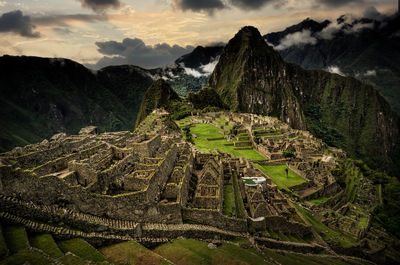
(241, 75)
(158, 95)
(251, 77)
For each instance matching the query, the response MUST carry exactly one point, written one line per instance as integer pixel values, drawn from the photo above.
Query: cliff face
(252, 77)
(158, 95)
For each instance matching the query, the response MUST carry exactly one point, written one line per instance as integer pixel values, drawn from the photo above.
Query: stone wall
(214, 218)
(148, 148)
(136, 206)
(289, 246)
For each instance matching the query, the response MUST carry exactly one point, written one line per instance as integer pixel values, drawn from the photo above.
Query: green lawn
(204, 131)
(82, 249)
(229, 201)
(278, 176)
(131, 253)
(46, 243)
(190, 251)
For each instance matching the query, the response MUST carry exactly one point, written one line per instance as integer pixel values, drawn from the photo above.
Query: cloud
(335, 70)
(16, 22)
(100, 5)
(200, 5)
(345, 24)
(136, 52)
(62, 20)
(338, 3)
(256, 4)
(372, 13)
(296, 39)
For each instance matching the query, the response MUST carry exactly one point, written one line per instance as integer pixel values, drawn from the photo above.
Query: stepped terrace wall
(214, 218)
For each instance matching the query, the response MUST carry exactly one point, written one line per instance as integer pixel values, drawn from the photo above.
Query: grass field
(16, 238)
(278, 175)
(204, 131)
(46, 243)
(82, 249)
(131, 253)
(190, 251)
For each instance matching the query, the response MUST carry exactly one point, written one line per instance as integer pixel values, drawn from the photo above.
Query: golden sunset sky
(78, 29)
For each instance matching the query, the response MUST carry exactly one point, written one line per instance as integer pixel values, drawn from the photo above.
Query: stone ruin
(147, 184)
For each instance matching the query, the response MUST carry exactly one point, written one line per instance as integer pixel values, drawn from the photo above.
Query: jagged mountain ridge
(367, 49)
(252, 77)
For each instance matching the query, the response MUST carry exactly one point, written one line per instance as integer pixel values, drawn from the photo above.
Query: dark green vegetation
(387, 212)
(46, 243)
(252, 77)
(327, 233)
(158, 95)
(82, 249)
(206, 97)
(376, 49)
(42, 96)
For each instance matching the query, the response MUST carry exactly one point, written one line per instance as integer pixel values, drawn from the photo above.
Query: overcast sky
(152, 32)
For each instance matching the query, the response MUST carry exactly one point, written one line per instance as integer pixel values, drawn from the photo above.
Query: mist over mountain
(365, 48)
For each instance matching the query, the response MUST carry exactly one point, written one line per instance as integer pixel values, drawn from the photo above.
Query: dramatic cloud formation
(16, 22)
(100, 5)
(199, 5)
(296, 39)
(136, 52)
(256, 4)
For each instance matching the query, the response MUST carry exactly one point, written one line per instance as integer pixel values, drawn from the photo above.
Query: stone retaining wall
(214, 218)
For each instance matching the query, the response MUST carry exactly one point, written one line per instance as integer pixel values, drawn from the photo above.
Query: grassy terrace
(327, 233)
(190, 251)
(318, 201)
(229, 201)
(278, 175)
(204, 131)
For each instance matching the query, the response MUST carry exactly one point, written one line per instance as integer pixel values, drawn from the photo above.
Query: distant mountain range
(43, 96)
(367, 49)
